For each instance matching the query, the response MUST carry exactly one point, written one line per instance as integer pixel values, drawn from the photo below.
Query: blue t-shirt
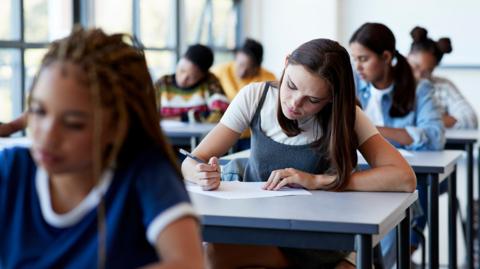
(141, 199)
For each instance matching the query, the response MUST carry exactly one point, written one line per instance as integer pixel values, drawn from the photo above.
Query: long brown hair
(330, 61)
(379, 38)
(114, 70)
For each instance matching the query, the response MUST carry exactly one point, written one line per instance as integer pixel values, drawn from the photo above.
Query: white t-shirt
(242, 109)
(374, 106)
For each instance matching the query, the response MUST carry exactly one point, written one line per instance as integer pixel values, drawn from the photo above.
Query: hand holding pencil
(207, 175)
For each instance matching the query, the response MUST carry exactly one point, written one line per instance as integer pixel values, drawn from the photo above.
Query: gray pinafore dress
(267, 155)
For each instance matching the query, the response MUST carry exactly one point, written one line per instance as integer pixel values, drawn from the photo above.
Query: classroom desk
(466, 139)
(181, 132)
(434, 167)
(15, 141)
(310, 221)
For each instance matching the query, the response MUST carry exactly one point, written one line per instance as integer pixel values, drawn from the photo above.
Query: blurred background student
(424, 56)
(403, 109)
(247, 68)
(192, 88)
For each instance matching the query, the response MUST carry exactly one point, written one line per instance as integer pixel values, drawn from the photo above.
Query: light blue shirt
(424, 123)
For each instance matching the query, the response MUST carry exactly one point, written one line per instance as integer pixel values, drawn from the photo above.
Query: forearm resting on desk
(389, 170)
(375, 180)
(20, 123)
(399, 135)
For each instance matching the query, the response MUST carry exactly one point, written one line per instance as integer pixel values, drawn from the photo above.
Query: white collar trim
(72, 217)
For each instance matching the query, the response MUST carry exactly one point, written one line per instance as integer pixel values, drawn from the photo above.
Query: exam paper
(245, 190)
(405, 153)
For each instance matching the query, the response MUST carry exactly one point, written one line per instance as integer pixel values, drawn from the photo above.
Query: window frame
(81, 14)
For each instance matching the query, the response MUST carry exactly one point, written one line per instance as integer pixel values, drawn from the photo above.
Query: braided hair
(115, 72)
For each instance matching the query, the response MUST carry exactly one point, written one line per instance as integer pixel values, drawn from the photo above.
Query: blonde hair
(116, 73)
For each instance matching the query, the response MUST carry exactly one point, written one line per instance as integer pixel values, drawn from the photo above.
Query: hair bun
(418, 34)
(444, 45)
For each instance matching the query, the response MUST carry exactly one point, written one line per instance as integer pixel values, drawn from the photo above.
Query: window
(164, 27)
(167, 27)
(26, 28)
(215, 23)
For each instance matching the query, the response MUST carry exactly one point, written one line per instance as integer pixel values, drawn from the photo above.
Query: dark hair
(330, 61)
(253, 49)
(379, 38)
(200, 55)
(422, 43)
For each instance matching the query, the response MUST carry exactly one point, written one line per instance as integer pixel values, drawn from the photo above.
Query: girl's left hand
(290, 176)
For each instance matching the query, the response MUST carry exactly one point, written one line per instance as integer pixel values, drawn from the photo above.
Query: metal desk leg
(452, 219)
(433, 221)
(469, 213)
(193, 143)
(403, 241)
(364, 251)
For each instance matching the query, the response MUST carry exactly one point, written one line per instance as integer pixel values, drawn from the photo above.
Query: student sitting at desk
(99, 187)
(310, 139)
(404, 111)
(247, 68)
(192, 88)
(425, 55)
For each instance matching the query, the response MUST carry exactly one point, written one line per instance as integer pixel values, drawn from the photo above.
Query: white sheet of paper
(245, 190)
(405, 153)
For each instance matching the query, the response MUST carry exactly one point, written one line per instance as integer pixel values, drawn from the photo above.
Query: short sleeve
(363, 126)
(16, 167)
(162, 195)
(241, 110)
(3, 168)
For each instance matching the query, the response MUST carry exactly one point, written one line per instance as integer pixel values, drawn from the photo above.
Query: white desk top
(15, 141)
(183, 129)
(462, 136)
(361, 212)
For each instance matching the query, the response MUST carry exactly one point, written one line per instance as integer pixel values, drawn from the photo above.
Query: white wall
(455, 19)
(282, 25)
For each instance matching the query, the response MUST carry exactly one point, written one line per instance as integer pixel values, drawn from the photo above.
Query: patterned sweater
(206, 98)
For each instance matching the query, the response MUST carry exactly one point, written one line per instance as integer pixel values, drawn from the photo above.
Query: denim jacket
(424, 124)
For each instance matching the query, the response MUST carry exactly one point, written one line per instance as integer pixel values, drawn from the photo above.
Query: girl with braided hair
(99, 186)
(424, 56)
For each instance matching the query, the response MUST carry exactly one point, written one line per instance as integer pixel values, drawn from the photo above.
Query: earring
(394, 61)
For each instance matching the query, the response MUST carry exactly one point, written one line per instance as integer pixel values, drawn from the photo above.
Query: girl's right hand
(208, 175)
